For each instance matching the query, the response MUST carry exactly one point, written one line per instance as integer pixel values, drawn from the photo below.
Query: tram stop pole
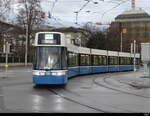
(134, 55)
(6, 50)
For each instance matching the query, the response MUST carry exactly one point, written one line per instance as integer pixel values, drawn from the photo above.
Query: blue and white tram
(56, 60)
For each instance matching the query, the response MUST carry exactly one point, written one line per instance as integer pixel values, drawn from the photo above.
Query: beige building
(11, 34)
(75, 36)
(137, 25)
(16, 38)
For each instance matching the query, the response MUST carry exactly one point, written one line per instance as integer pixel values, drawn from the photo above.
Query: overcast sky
(105, 11)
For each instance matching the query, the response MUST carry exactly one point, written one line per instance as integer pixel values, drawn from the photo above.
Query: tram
(56, 60)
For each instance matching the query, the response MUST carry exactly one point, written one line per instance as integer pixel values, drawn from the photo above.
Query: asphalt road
(99, 93)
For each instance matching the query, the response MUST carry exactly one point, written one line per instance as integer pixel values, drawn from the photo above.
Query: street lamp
(133, 51)
(134, 55)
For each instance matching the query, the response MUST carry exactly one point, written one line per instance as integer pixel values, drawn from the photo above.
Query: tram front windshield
(50, 58)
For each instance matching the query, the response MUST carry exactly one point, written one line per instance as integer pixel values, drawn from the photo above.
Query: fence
(15, 59)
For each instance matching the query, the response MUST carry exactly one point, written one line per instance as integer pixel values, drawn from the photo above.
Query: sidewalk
(141, 82)
(139, 79)
(6, 74)
(14, 64)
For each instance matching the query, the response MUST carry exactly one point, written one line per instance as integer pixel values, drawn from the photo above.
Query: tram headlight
(39, 73)
(58, 73)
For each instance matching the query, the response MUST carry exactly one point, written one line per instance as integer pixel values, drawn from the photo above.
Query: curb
(14, 65)
(139, 86)
(3, 76)
(6, 75)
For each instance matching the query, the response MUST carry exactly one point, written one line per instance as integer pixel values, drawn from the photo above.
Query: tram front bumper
(50, 78)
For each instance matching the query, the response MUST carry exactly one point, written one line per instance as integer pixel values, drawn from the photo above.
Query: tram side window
(110, 60)
(73, 59)
(132, 61)
(95, 60)
(125, 61)
(137, 61)
(104, 60)
(64, 58)
(122, 61)
(100, 60)
(128, 60)
(113, 60)
(84, 60)
(88, 57)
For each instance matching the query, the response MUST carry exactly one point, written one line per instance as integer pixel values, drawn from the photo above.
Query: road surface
(99, 93)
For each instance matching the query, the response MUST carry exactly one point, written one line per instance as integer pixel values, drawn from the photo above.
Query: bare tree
(108, 40)
(90, 27)
(29, 13)
(97, 38)
(4, 8)
(28, 17)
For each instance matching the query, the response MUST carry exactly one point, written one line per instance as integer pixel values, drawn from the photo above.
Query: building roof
(61, 29)
(133, 14)
(68, 29)
(9, 27)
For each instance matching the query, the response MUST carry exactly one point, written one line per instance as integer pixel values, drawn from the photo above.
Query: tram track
(85, 105)
(74, 93)
(112, 88)
(77, 102)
